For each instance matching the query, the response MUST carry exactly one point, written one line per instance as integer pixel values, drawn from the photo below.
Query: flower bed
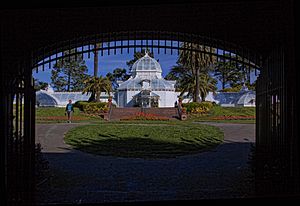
(233, 117)
(145, 116)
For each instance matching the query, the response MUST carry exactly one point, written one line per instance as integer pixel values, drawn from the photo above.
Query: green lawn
(218, 111)
(143, 140)
(236, 121)
(57, 114)
(232, 111)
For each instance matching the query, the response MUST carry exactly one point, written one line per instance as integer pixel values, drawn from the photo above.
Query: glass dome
(248, 98)
(146, 63)
(243, 98)
(44, 99)
(63, 97)
(146, 74)
(227, 97)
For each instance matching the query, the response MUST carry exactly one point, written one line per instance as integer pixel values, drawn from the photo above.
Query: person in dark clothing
(69, 110)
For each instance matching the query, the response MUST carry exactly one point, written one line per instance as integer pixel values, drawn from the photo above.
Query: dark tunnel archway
(263, 31)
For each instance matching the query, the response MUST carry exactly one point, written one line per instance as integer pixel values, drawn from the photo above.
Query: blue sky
(107, 63)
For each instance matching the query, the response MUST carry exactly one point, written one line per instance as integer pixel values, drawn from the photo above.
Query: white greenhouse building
(146, 88)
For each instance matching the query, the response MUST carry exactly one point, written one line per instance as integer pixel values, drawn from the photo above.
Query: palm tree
(207, 84)
(196, 62)
(186, 82)
(96, 85)
(96, 58)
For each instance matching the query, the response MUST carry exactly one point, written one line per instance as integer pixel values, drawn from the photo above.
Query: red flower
(145, 116)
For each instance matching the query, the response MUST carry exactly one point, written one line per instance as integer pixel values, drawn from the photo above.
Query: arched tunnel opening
(269, 47)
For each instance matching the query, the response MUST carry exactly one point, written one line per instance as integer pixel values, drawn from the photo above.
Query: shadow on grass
(143, 147)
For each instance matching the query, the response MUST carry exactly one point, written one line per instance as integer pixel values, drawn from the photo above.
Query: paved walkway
(80, 177)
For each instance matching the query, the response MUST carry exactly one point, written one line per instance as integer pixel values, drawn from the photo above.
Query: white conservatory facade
(146, 87)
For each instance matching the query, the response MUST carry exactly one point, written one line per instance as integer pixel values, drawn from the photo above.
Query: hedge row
(92, 107)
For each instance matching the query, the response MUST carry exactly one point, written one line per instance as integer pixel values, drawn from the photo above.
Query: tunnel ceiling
(255, 25)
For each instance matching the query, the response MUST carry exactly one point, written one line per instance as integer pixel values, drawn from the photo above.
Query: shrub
(80, 104)
(232, 89)
(198, 107)
(95, 107)
(92, 107)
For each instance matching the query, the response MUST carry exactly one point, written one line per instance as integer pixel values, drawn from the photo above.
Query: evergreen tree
(38, 85)
(119, 74)
(69, 73)
(228, 72)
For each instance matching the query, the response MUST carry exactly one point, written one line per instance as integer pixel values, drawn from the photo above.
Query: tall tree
(207, 84)
(228, 72)
(97, 85)
(96, 58)
(246, 70)
(236, 87)
(96, 66)
(69, 73)
(186, 82)
(119, 74)
(197, 62)
(38, 85)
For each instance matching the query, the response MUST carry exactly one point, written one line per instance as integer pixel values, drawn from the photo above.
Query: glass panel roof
(45, 100)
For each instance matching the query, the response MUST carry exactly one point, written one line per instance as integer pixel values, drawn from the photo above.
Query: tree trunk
(249, 77)
(194, 97)
(92, 98)
(98, 96)
(202, 98)
(96, 62)
(197, 92)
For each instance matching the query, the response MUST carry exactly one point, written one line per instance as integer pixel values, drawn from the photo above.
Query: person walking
(69, 110)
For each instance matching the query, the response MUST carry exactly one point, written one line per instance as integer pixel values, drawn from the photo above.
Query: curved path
(78, 177)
